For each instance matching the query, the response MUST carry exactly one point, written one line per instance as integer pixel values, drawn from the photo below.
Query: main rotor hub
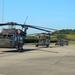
(11, 23)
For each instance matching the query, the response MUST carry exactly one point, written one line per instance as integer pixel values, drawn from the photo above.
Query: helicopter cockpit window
(10, 37)
(47, 37)
(4, 36)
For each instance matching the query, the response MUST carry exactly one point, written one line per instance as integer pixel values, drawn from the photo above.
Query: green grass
(72, 42)
(71, 37)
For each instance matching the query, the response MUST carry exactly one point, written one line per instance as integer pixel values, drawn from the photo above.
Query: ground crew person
(20, 42)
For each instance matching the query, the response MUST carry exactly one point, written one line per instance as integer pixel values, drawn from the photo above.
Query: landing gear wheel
(36, 45)
(20, 49)
(47, 45)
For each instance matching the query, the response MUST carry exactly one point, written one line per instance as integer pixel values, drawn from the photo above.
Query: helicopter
(15, 38)
(43, 39)
(61, 41)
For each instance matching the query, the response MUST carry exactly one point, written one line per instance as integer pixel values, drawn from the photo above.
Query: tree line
(65, 31)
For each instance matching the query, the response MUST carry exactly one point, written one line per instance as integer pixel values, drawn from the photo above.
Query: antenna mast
(2, 11)
(26, 20)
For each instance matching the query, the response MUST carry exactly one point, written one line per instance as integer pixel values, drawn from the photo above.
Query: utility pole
(2, 11)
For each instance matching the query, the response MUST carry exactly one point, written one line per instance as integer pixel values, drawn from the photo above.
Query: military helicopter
(61, 41)
(14, 38)
(44, 39)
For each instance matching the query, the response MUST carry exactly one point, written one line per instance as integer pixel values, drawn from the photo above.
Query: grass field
(70, 37)
(72, 42)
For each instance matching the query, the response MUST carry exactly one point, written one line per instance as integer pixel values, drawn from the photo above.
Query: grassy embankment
(71, 38)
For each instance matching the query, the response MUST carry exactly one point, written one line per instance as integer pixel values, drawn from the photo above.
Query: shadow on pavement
(15, 51)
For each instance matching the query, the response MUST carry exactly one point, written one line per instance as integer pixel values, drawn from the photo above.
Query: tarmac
(55, 60)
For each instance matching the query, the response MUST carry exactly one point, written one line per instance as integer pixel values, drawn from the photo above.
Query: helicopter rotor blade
(8, 23)
(31, 26)
(3, 24)
(46, 28)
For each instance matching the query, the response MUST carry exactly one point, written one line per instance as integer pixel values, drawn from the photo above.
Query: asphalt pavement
(55, 60)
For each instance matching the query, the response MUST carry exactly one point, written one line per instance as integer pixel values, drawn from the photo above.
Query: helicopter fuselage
(12, 38)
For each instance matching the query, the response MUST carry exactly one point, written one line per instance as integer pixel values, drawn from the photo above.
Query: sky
(56, 14)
